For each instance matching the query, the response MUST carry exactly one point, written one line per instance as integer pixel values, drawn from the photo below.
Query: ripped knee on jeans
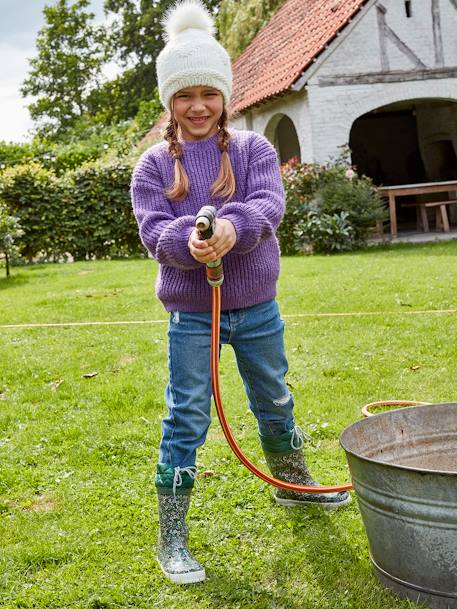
(282, 401)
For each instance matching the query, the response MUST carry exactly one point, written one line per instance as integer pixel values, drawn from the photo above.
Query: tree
(119, 99)
(9, 230)
(137, 31)
(238, 22)
(135, 42)
(71, 53)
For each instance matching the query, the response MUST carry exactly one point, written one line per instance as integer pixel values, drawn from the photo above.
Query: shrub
(33, 194)
(102, 222)
(71, 194)
(340, 189)
(325, 232)
(328, 208)
(299, 185)
(87, 141)
(85, 213)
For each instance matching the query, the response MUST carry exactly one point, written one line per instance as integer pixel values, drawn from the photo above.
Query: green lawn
(77, 454)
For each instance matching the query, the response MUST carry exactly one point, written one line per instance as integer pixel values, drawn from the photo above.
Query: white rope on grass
(85, 323)
(368, 313)
(287, 316)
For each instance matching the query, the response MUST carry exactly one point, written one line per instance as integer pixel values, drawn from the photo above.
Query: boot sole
(192, 577)
(304, 503)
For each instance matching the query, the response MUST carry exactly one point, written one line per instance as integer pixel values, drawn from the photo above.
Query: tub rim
(365, 421)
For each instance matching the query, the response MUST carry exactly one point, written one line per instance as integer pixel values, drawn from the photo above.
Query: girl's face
(197, 111)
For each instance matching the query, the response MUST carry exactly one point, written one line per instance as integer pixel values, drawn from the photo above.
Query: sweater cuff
(173, 244)
(246, 238)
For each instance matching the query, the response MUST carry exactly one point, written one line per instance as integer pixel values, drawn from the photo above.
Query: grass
(77, 453)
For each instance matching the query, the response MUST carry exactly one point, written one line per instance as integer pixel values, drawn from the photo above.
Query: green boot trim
(282, 444)
(175, 480)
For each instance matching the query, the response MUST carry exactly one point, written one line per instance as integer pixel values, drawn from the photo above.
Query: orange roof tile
(277, 56)
(157, 130)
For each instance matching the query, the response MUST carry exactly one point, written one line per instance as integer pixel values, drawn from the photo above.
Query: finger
(220, 243)
(198, 256)
(215, 238)
(224, 249)
(204, 259)
(196, 242)
(201, 250)
(223, 245)
(219, 234)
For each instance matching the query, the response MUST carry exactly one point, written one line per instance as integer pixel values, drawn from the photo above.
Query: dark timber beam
(369, 78)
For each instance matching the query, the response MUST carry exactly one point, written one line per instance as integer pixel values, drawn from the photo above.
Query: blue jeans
(257, 336)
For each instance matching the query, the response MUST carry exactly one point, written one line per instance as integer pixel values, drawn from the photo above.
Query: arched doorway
(282, 134)
(407, 142)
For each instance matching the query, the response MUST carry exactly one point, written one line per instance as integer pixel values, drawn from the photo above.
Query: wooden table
(401, 190)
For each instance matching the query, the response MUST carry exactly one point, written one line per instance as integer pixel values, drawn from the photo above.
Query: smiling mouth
(198, 120)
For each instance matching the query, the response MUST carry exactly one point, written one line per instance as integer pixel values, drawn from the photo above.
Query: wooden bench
(442, 220)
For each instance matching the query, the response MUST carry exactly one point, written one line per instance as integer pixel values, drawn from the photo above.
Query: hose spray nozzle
(205, 223)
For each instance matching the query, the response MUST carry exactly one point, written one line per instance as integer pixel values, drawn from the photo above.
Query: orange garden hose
(215, 333)
(205, 223)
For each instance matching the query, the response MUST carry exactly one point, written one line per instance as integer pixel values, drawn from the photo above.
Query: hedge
(86, 213)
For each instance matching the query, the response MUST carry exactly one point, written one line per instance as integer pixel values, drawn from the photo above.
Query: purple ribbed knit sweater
(251, 268)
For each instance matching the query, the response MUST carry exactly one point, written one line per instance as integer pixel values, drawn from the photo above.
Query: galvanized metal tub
(403, 465)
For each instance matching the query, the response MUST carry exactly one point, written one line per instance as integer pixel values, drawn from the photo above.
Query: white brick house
(380, 75)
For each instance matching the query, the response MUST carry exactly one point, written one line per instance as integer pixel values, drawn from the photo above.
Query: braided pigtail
(225, 184)
(180, 186)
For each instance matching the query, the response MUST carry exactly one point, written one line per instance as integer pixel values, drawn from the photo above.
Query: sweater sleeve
(257, 217)
(163, 234)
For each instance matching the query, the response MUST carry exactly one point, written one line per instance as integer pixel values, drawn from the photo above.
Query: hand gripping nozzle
(205, 223)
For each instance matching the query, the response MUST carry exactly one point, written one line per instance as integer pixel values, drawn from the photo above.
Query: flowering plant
(331, 200)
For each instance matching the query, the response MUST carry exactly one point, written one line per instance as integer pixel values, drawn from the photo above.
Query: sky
(19, 24)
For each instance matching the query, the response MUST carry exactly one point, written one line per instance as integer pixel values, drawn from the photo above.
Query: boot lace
(297, 440)
(191, 470)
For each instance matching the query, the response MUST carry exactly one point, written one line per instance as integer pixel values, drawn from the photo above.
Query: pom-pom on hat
(192, 57)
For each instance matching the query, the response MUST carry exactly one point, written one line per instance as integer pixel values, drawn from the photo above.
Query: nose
(198, 105)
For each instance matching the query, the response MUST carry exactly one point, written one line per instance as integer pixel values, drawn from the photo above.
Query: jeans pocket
(174, 317)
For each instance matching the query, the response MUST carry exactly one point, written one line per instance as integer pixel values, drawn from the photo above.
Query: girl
(203, 162)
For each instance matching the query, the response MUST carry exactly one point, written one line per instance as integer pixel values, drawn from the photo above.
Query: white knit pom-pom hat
(192, 57)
